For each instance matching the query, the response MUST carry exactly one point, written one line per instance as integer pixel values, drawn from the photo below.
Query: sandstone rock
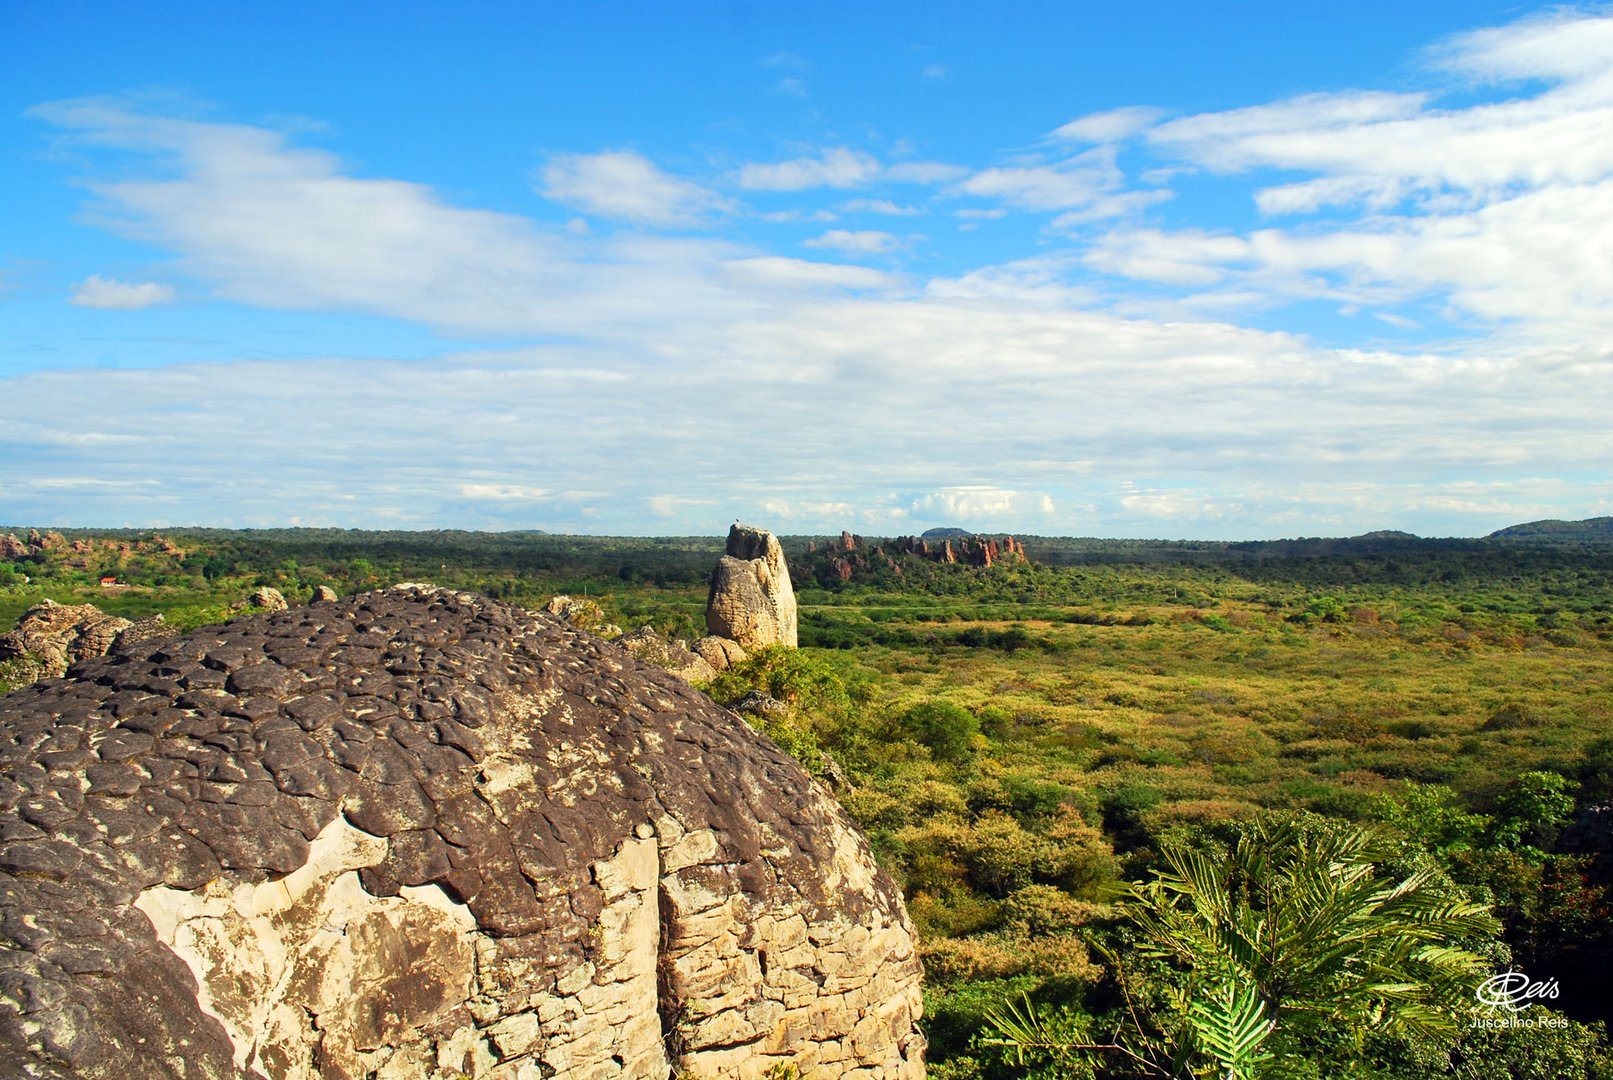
(422, 834)
(719, 652)
(57, 635)
(582, 613)
(649, 646)
(48, 541)
(751, 600)
(268, 599)
(323, 594)
(756, 703)
(12, 549)
(152, 626)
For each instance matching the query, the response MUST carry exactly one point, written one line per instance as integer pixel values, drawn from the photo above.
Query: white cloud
(1498, 213)
(974, 502)
(936, 72)
(840, 167)
(774, 271)
(278, 226)
(506, 493)
(836, 168)
(1112, 126)
(1038, 402)
(627, 187)
(96, 291)
(879, 206)
(865, 242)
(1087, 187)
(708, 380)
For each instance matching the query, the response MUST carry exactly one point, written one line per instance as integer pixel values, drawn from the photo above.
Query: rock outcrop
(422, 834)
(267, 599)
(853, 556)
(752, 601)
(56, 635)
(647, 645)
(719, 652)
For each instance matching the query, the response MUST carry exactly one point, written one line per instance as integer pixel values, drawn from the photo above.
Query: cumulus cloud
(627, 187)
(268, 223)
(1111, 126)
(1037, 403)
(1498, 210)
(1088, 187)
(975, 502)
(1014, 393)
(840, 167)
(855, 242)
(836, 168)
(96, 291)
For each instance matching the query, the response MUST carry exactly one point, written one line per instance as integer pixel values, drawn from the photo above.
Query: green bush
(949, 730)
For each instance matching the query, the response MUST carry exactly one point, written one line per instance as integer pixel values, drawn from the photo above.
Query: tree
(1303, 912)
(1294, 938)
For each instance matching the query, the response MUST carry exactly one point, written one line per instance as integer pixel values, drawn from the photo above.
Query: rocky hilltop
(419, 833)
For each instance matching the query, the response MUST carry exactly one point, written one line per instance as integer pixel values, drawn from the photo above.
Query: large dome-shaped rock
(422, 834)
(752, 601)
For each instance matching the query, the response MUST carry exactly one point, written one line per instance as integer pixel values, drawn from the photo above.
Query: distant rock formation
(844, 559)
(751, 600)
(423, 834)
(84, 552)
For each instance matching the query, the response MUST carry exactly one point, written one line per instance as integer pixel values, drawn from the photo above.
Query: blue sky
(1156, 269)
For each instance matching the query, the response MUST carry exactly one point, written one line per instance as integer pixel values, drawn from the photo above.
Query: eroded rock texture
(422, 834)
(752, 601)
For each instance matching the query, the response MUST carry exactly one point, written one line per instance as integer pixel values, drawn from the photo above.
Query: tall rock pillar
(752, 601)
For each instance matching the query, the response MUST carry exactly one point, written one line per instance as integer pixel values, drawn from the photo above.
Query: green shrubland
(1095, 773)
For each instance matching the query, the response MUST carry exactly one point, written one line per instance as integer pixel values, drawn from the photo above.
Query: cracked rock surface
(419, 833)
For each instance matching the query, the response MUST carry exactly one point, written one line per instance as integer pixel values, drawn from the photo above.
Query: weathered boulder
(752, 601)
(648, 645)
(420, 833)
(719, 652)
(12, 549)
(267, 599)
(583, 613)
(757, 703)
(57, 635)
(322, 594)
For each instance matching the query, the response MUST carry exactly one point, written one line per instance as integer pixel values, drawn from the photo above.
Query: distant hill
(945, 534)
(1599, 529)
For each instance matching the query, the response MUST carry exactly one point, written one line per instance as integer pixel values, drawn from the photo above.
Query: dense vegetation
(1159, 809)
